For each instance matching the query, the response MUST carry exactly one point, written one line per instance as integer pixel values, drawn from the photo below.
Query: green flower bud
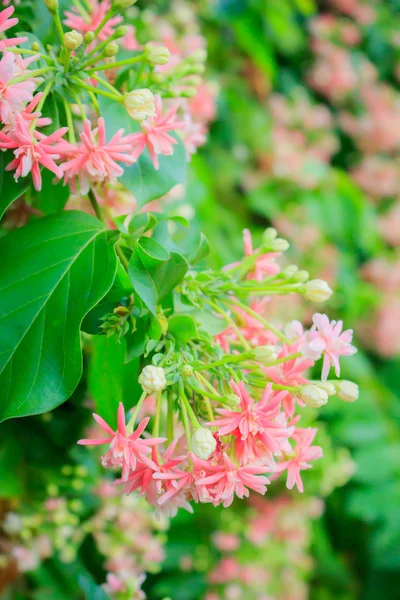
(157, 55)
(35, 47)
(111, 49)
(123, 4)
(88, 37)
(51, 5)
(186, 371)
(73, 39)
(121, 31)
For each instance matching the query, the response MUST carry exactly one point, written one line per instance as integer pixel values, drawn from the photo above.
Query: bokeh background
(302, 103)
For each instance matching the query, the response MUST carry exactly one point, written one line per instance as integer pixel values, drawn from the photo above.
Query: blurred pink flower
(303, 453)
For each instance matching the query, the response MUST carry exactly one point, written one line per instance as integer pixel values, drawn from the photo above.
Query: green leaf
(110, 380)
(183, 328)
(144, 181)
(142, 283)
(201, 251)
(136, 341)
(54, 271)
(151, 252)
(10, 190)
(170, 273)
(53, 196)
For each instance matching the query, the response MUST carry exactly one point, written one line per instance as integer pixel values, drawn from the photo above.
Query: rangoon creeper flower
(13, 96)
(317, 290)
(7, 23)
(313, 395)
(347, 390)
(298, 459)
(140, 104)
(152, 379)
(203, 443)
(83, 24)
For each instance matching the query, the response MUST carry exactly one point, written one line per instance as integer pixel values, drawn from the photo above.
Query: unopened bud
(328, 387)
(152, 379)
(280, 245)
(88, 37)
(232, 400)
(121, 31)
(198, 56)
(301, 276)
(157, 55)
(72, 39)
(313, 395)
(203, 443)
(186, 371)
(289, 271)
(347, 390)
(35, 47)
(317, 290)
(269, 235)
(265, 354)
(140, 104)
(123, 4)
(51, 5)
(111, 49)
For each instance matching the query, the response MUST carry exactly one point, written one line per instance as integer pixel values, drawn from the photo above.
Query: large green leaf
(10, 190)
(142, 179)
(52, 272)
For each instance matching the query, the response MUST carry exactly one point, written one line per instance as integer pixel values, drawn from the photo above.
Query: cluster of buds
(225, 401)
(82, 74)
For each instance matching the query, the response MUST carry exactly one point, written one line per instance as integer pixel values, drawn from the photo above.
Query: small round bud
(280, 245)
(269, 235)
(35, 47)
(51, 5)
(317, 290)
(157, 55)
(123, 4)
(88, 37)
(265, 354)
(313, 395)
(289, 271)
(301, 276)
(152, 379)
(198, 56)
(328, 387)
(121, 31)
(111, 49)
(203, 443)
(186, 371)
(140, 104)
(72, 39)
(347, 390)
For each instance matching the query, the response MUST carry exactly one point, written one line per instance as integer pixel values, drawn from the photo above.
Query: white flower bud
(140, 104)
(203, 443)
(317, 290)
(280, 245)
(72, 39)
(157, 55)
(327, 386)
(266, 354)
(290, 270)
(313, 395)
(152, 379)
(301, 276)
(347, 390)
(269, 235)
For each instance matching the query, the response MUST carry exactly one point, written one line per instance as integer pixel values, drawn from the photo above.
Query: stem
(231, 358)
(90, 88)
(79, 103)
(186, 424)
(220, 311)
(170, 420)
(285, 359)
(118, 63)
(263, 321)
(277, 386)
(103, 82)
(30, 53)
(85, 14)
(96, 206)
(30, 74)
(59, 27)
(66, 61)
(41, 102)
(131, 422)
(110, 13)
(206, 400)
(68, 114)
(156, 426)
(189, 409)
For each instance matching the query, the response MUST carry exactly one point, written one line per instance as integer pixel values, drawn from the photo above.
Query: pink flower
(254, 424)
(94, 159)
(125, 450)
(226, 480)
(30, 153)
(303, 453)
(7, 23)
(28, 114)
(194, 135)
(75, 20)
(154, 134)
(328, 339)
(13, 96)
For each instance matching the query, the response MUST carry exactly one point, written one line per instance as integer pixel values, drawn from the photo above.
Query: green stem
(30, 53)
(104, 82)
(41, 102)
(220, 311)
(210, 413)
(58, 24)
(285, 359)
(170, 420)
(109, 14)
(186, 424)
(131, 423)
(189, 409)
(90, 88)
(263, 321)
(66, 60)
(116, 64)
(96, 206)
(85, 14)
(157, 418)
(277, 386)
(30, 74)
(70, 123)
(231, 358)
